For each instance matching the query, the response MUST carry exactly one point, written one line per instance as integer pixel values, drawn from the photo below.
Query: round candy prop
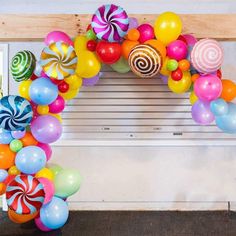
(23, 65)
(58, 60)
(110, 23)
(25, 194)
(15, 113)
(207, 56)
(145, 61)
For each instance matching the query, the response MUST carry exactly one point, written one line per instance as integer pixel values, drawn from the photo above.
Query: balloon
(189, 39)
(58, 36)
(43, 91)
(74, 81)
(30, 160)
(184, 65)
(3, 175)
(127, 46)
(177, 75)
(18, 134)
(67, 182)
(91, 35)
(3, 188)
(13, 171)
(7, 157)
(172, 65)
(38, 70)
(182, 85)
(91, 81)
(54, 214)
(55, 168)
(63, 87)
(42, 109)
(159, 46)
(48, 189)
(19, 218)
(46, 129)
(121, 66)
(88, 64)
(208, 87)
(16, 145)
(70, 94)
(228, 90)
(47, 149)
(133, 35)
(80, 43)
(24, 89)
(219, 107)
(40, 225)
(177, 50)
(29, 140)
(193, 98)
(91, 45)
(146, 32)
(57, 116)
(164, 79)
(45, 173)
(58, 105)
(164, 70)
(168, 27)
(201, 113)
(5, 136)
(133, 23)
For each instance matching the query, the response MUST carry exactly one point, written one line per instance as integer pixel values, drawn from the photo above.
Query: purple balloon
(46, 129)
(164, 79)
(91, 81)
(201, 113)
(18, 134)
(133, 23)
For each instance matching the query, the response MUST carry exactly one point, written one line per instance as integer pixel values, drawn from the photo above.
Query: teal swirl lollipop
(23, 65)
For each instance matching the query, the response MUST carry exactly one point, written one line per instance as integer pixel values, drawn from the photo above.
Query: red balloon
(177, 75)
(219, 74)
(108, 53)
(63, 87)
(91, 45)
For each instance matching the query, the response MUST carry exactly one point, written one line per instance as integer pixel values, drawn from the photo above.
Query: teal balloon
(121, 66)
(67, 182)
(219, 107)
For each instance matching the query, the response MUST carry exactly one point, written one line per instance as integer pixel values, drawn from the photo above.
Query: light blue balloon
(55, 213)
(30, 160)
(219, 107)
(42, 91)
(3, 175)
(5, 136)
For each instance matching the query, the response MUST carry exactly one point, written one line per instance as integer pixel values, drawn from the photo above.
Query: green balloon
(91, 35)
(172, 65)
(54, 168)
(67, 182)
(121, 66)
(16, 145)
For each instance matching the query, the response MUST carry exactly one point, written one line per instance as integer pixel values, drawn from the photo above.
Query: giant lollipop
(25, 194)
(110, 23)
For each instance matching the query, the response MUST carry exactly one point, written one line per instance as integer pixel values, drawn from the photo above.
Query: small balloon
(133, 23)
(91, 81)
(58, 36)
(219, 107)
(121, 66)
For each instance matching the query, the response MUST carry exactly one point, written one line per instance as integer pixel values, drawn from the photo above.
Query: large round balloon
(145, 61)
(58, 60)
(15, 113)
(7, 156)
(25, 194)
(23, 65)
(110, 23)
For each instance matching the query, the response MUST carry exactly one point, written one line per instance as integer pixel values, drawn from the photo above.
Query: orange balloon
(184, 65)
(7, 157)
(3, 188)
(133, 35)
(195, 77)
(29, 140)
(19, 219)
(228, 90)
(159, 46)
(127, 46)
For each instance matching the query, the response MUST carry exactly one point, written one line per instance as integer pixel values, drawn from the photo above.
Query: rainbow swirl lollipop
(110, 23)
(58, 60)
(25, 194)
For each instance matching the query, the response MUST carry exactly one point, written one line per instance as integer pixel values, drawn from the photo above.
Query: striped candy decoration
(25, 194)
(110, 23)
(207, 56)
(58, 60)
(15, 113)
(23, 65)
(144, 61)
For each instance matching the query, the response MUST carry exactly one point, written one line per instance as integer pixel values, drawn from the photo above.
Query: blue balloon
(5, 136)
(30, 160)
(219, 107)
(3, 175)
(42, 91)
(55, 213)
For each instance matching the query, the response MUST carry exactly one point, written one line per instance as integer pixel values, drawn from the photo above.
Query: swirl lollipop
(25, 194)
(58, 60)
(110, 23)
(145, 61)
(15, 113)
(207, 56)
(23, 65)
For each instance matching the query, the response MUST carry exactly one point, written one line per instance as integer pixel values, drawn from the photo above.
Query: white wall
(145, 177)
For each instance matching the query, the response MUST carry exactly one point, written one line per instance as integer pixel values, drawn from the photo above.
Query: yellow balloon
(193, 98)
(13, 171)
(182, 85)
(24, 89)
(45, 173)
(43, 109)
(88, 64)
(168, 27)
(58, 116)
(164, 70)
(74, 81)
(70, 94)
(80, 43)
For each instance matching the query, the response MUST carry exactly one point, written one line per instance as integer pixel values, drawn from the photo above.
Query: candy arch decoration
(31, 121)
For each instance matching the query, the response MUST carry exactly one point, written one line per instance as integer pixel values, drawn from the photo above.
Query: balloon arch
(31, 121)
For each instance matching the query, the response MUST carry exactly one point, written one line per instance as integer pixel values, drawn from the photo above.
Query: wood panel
(20, 27)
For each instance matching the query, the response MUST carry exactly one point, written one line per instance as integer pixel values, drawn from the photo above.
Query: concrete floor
(129, 223)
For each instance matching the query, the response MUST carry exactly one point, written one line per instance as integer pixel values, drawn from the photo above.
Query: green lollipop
(23, 65)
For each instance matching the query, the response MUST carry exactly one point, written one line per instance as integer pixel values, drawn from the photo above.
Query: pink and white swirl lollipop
(207, 56)
(110, 23)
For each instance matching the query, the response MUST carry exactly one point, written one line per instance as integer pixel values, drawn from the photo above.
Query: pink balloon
(40, 225)
(48, 189)
(58, 105)
(177, 50)
(146, 32)
(190, 39)
(58, 36)
(47, 149)
(208, 87)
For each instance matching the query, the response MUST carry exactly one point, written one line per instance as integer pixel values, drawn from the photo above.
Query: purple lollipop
(110, 23)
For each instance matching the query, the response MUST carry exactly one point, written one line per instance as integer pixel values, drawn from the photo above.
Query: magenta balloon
(201, 113)
(146, 32)
(133, 23)
(46, 129)
(40, 225)
(49, 189)
(47, 149)
(58, 105)
(91, 81)
(190, 39)
(58, 36)
(177, 50)
(208, 87)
